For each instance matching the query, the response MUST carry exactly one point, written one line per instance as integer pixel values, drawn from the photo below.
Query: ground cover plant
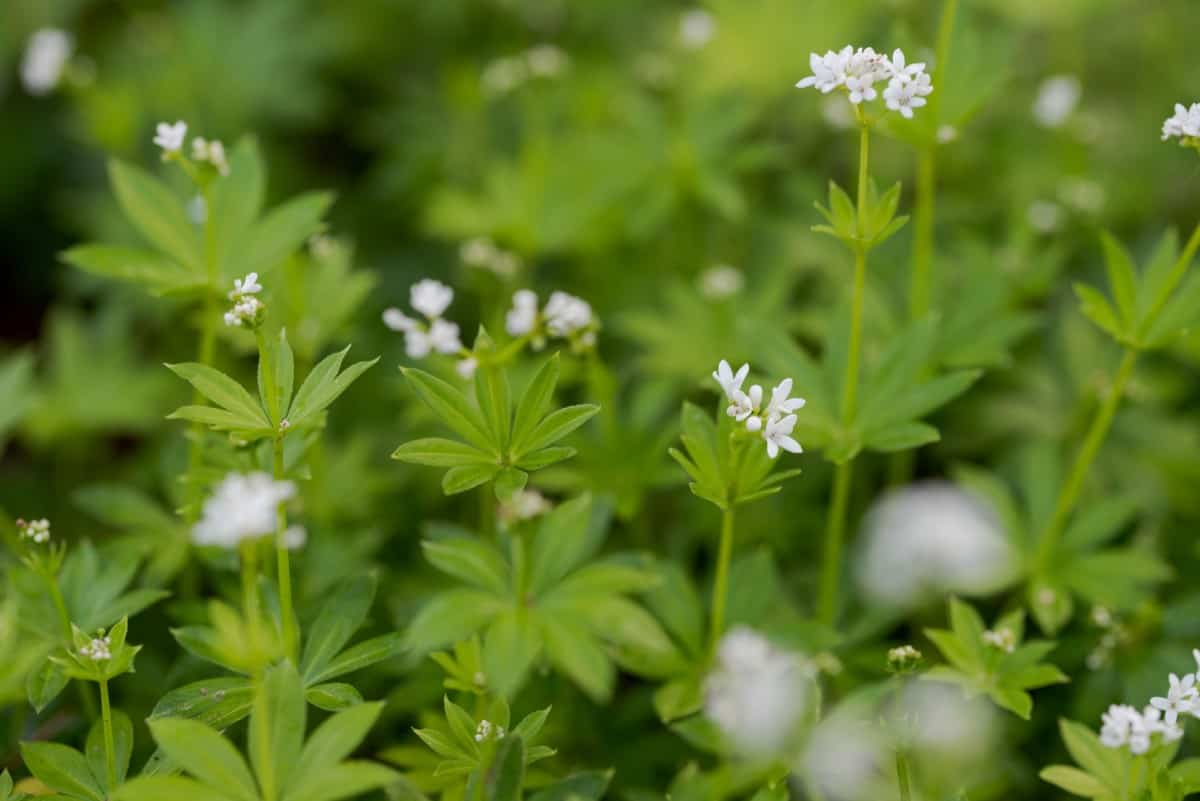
(518, 399)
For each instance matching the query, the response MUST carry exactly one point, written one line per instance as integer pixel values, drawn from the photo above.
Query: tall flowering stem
(110, 751)
(283, 564)
(835, 528)
(721, 581)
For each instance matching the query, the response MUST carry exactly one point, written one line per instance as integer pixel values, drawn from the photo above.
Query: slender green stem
(291, 644)
(835, 535)
(60, 604)
(110, 751)
(854, 348)
(902, 776)
(249, 553)
(205, 354)
(1068, 495)
(721, 581)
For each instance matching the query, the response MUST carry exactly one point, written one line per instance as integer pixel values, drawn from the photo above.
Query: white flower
(731, 383)
(864, 68)
(546, 60)
(778, 434)
(756, 694)
(1056, 99)
(247, 310)
(466, 367)
(1184, 123)
(245, 286)
(430, 297)
(1002, 639)
(696, 28)
(397, 320)
(170, 137)
(721, 281)
(521, 319)
(197, 210)
(98, 650)
(781, 404)
(829, 70)
(1181, 696)
(906, 95)
(36, 531)
(745, 404)
(1117, 724)
(294, 537)
(477, 252)
(1045, 215)
(566, 314)
(503, 75)
(858, 70)
(1153, 722)
(242, 507)
(946, 134)
(486, 730)
(45, 59)
(926, 540)
(212, 152)
(443, 337)
(417, 344)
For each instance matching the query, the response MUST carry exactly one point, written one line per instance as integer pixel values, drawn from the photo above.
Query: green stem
(902, 776)
(291, 644)
(1068, 495)
(207, 350)
(249, 553)
(487, 510)
(64, 617)
(110, 751)
(835, 535)
(721, 581)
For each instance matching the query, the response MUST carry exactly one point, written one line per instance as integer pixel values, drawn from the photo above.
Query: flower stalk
(721, 580)
(110, 751)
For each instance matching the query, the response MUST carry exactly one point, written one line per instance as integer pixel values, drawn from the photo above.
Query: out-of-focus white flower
(844, 756)
(837, 113)
(197, 210)
(1082, 193)
(1003, 639)
(731, 382)
(170, 137)
(721, 282)
(1122, 725)
(443, 337)
(45, 60)
(486, 730)
(566, 314)
(946, 724)
(295, 537)
(243, 506)
(946, 134)
(35, 531)
(546, 60)
(1044, 215)
(925, 540)
(655, 69)
(756, 694)
(211, 152)
(504, 75)
(466, 367)
(522, 318)
(1056, 98)
(431, 298)
(99, 649)
(1184, 124)
(481, 252)
(247, 309)
(696, 28)
(397, 320)
(525, 505)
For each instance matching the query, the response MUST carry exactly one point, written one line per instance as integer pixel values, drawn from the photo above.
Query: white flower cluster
(211, 152)
(486, 730)
(482, 252)
(98, 650)
(541, 61)
(431, 298)
(1002, 639)
(721, 281)
(756, 693)
(1122, 725)
(903, 657)
(776, 420)
(244, 506)
(170, 137)
(45, 60)
(563, 317)
(36, 531)
(247, 309)
(1184, 124)
(858, 70)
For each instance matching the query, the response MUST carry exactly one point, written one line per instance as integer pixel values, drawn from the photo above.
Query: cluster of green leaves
(176, 257)
(1145, 311)
(728, 465)
(75, 775)
(549, 597)
(283, 765)
(76, 665)
(897, 390)
(275, 412)
(502, 443)
(1116, 774)
(978, 666)
(877, 223)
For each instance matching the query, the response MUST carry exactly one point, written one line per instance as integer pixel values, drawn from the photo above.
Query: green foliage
(501, 443)
(1004, 672)
(868, 230)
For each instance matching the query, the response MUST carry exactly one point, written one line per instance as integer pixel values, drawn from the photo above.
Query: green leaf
(545, 457)
(333, 696)
(535, 401)
(495, 402)
(509, 648)
(574, 651)
(554, 427)
(235, 201)
(1091, 755)
(449, 617)
(275, 389)
(276, 728)
(451, 408)
(61, 768)
(1096, 308)
(347, 780)
(507, 773)
(437, 452)
(900, 437)
(145, 268)
(44, 683)
(365, 654)
(156, 212)
(1014, 700)
(509, 483)
(341, 616)
(222, 390)
(564, 540)
(159, 788)
(220, 419)
(588, 786)
(281, 232)
(467, 477)
(1122, 278)
(122, 745)
(476, 562)
(333, 741)
(219, 702)
(323, 385)
(1073, 781)
(205, 754)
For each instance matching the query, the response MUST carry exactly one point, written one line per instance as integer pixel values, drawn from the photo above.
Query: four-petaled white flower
(778, 434)
(1181, 697)
(731, 382)
(781, 403)
(242, 507)
(170, 137)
